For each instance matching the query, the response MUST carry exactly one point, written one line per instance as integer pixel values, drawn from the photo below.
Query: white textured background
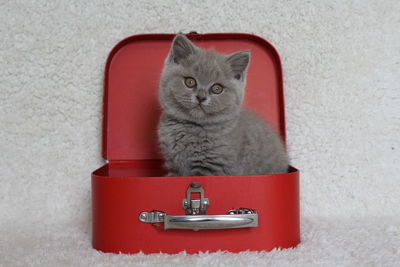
(341, 63)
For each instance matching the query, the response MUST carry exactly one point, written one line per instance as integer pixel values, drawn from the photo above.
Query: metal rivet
(195, 185)
(143, 216)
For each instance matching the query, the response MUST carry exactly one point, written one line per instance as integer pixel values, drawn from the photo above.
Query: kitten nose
(201, 98)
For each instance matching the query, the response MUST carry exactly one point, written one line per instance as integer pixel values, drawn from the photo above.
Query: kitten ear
(181, 48)
(239, 62)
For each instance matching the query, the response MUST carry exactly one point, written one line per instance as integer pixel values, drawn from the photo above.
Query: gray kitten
(203, 129)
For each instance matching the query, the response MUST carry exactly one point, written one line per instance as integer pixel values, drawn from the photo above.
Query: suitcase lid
(130, 104)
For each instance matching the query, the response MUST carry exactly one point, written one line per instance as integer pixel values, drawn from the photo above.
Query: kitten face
(200, 85)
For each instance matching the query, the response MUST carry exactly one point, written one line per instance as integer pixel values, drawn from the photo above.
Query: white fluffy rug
(368, 241)
(341, 63)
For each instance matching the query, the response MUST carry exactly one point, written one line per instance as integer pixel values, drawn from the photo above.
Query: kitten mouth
(202, 108)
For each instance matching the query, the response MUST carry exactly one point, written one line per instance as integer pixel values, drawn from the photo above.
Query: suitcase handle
(200, 222)
(195, 217)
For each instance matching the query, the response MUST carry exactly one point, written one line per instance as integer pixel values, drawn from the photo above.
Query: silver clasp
(195, 206)
(196, 218)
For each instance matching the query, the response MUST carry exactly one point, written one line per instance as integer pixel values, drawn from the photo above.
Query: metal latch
(195, 206)
(196, 218)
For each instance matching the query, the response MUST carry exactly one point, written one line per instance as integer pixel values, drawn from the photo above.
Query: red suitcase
(136, 209)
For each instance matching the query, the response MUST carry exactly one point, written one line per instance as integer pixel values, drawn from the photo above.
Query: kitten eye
(216, 89)
(190, 82)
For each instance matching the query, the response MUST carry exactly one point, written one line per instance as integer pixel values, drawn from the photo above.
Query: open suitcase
(136, 209)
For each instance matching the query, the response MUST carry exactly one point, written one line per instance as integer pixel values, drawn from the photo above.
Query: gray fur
(216, 137)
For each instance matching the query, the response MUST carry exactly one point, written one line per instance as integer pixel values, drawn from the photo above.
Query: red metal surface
(132, 181)
(119, 196)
